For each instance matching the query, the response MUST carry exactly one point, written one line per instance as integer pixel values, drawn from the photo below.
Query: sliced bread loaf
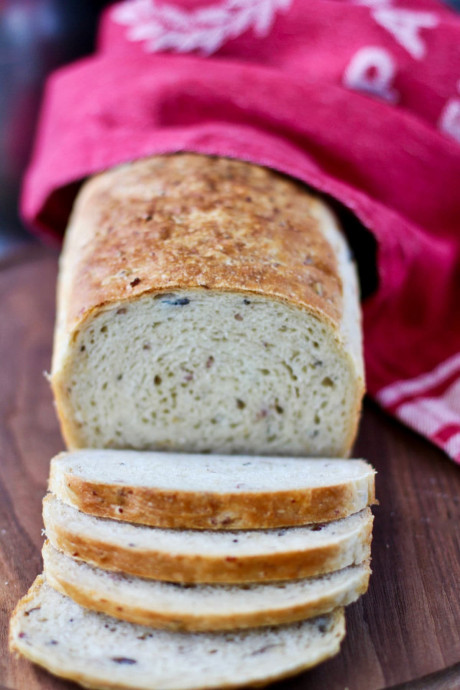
(101, 652)
(203, 492)
(208, 556)
(202, 607)
(206, 304)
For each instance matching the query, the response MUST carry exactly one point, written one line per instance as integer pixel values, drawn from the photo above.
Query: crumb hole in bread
(264, 649)
(290, 370)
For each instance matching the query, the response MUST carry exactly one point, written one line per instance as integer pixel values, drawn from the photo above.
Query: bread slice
(101, 652)
(202, 607)
(208, 556)
(206, 305)
(203, 492)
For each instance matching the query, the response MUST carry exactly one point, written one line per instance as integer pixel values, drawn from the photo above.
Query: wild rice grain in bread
(206, 304)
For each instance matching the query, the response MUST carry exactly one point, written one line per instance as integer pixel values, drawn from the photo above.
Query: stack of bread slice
(173, 571)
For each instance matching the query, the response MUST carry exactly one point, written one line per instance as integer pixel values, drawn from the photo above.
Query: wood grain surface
(404, 634)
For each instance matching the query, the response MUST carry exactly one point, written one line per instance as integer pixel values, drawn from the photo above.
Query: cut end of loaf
(208, 371)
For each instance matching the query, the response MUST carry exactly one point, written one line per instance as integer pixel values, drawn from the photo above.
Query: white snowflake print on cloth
(449, 122)
(169, 27)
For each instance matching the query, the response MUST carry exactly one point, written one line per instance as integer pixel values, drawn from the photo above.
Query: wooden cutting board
(405, 630)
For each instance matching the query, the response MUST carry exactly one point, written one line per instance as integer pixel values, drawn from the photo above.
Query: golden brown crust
(193, 221)
(170, 567)
(208, 510)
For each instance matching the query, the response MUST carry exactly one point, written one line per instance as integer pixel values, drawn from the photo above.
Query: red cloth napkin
(359, 99)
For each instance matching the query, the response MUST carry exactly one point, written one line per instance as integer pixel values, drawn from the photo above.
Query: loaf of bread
(101, 652)
(208, 556)
(202, 607)
(201, 492)
(207, 305)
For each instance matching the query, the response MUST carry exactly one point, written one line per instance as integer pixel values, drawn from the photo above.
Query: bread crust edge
(212, 510)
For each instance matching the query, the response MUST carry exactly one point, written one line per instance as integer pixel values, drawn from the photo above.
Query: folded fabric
(360, 100)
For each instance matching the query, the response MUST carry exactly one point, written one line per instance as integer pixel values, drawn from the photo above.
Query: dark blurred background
(36, 36)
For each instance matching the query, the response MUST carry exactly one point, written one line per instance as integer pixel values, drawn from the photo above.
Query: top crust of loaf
(193, 221)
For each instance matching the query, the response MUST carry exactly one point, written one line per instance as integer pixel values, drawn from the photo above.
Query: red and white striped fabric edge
(429, 404)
